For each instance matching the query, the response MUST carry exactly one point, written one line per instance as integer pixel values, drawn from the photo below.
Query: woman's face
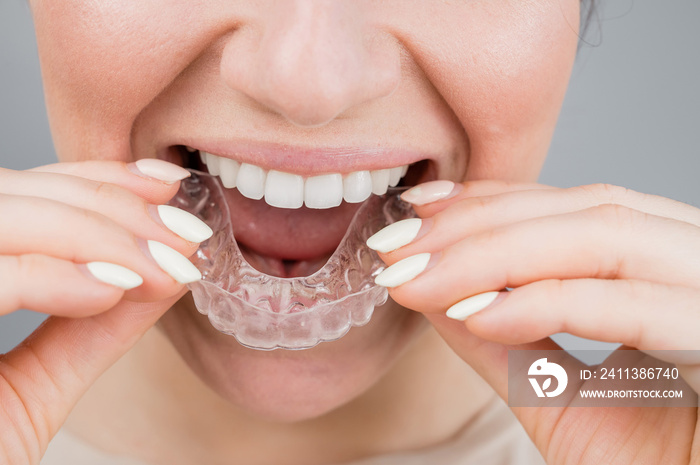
(307, 86)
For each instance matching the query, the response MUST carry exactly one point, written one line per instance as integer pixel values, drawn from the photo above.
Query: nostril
(311, 110)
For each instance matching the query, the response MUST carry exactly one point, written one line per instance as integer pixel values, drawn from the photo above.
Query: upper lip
(308, 161)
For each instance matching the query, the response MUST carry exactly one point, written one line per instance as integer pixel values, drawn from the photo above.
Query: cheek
(503, 69)
(104, 61)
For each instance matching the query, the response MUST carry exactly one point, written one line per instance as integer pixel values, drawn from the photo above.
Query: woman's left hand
(598, 261)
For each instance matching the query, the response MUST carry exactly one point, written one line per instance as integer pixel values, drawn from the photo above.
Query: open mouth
(267, 312)
(287, 224)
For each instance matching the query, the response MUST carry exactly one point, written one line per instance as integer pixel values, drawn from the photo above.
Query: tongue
(285, 234)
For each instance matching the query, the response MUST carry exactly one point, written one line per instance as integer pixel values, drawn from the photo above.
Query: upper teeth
(286, 190)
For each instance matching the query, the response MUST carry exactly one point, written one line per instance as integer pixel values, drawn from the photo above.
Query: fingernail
(114, 275)
(159, 169)
(403, 271)
(184, 224)
(430, 192)
(395, 235)
(469, 306)
(174, 263)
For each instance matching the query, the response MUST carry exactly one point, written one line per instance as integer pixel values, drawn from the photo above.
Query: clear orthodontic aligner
(268, 312)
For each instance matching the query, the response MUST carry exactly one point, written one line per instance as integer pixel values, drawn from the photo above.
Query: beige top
(494, 437)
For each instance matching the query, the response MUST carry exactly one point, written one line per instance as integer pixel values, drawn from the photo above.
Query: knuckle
(26, 267)
(473, 206)
(10, 289)
(108, 192)
(90, 216)
(27, 264)
(617, 216)
(603, 193)
(553, 287)
(108, 229)
(619, 225)
(487, 240)
(104, 192)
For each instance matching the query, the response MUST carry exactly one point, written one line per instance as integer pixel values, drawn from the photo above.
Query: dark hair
(588, 12)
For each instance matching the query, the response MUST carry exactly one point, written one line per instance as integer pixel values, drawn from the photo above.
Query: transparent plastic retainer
(268, 312)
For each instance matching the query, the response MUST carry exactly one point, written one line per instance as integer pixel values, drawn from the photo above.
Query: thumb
(44, 377)
(488, 358)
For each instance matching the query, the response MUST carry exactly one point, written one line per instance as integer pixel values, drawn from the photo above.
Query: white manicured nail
(184, 224)
(469, 306)
(174, 263)
(429, 192)
(395, 235)
(403, 271)
(114, 275)
(161, 170)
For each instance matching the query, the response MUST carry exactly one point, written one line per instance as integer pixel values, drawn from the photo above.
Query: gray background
(630, 117)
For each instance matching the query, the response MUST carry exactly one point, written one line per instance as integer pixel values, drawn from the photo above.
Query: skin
(476, 90)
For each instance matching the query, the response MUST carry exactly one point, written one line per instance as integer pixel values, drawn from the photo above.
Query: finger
(554, 429)
(518, 199)
(54, 286)
(476, 212)
(126, 208)
(602, 242)
(636, 313)
(82, 236)
(433, 197)
(602, 194)
(44, 377)
(488, 358)
(154, 180)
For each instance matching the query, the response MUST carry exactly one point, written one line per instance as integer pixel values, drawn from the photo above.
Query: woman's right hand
(76, 242)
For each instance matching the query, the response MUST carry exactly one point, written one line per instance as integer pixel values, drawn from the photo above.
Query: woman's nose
(311, 60)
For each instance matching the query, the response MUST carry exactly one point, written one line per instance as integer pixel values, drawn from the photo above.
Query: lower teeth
(267, 312)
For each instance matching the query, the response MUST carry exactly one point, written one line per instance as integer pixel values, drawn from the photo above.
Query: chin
(291, 386)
